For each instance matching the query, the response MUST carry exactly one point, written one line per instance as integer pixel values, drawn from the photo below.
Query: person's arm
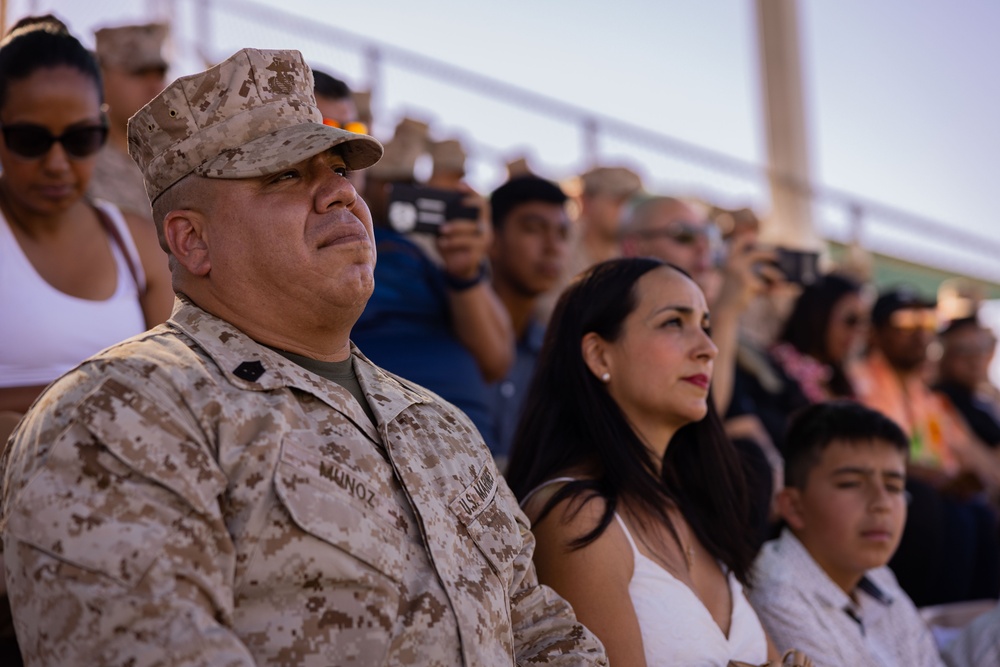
(742, 281)
(545, 628)
(159, 297)
(972, 454)
(593, 579)
(114, 543)
(479, 318)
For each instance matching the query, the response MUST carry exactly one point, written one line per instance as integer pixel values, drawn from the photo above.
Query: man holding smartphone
(434, 317)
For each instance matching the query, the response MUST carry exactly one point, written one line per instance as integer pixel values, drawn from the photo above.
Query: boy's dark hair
(330, 87)
(520, 190)
(813, 428)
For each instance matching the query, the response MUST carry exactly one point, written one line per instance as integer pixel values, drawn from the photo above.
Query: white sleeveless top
(44, 332)
(677, 628)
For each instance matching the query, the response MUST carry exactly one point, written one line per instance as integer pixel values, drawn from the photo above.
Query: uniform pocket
(346, 507)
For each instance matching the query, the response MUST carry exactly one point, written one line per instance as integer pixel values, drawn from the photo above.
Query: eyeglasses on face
(353, 126)
(912, 319)
(684, 233)
(31, 141)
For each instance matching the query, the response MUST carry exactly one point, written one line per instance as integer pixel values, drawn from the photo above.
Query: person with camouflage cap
(134, 71)
(241, 485)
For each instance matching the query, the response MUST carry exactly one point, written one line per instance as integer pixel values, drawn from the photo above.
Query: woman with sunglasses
(75, 276)
(808, 362)
(637, 498)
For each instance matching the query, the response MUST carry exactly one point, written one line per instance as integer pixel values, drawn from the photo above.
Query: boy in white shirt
(823, 586)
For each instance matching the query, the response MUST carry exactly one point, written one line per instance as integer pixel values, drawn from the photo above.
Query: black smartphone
(799, 266)
(420, 209)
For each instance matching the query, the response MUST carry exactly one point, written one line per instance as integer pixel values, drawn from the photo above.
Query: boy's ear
(789, 504)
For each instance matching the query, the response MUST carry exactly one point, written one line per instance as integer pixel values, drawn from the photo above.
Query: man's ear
(595, 354)
(789, 503)
(185, 233)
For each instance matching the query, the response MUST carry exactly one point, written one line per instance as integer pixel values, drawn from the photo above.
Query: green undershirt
(341, 372)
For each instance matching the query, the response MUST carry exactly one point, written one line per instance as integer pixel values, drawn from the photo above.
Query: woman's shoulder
(584, 508)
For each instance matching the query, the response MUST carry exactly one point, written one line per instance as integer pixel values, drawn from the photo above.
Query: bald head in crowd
(673, 230)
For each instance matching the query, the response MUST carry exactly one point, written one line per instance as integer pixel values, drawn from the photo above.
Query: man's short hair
(812, 429)
(522, 190)
(330, 87)
(902, 297)
(611, 181)
(640, 209)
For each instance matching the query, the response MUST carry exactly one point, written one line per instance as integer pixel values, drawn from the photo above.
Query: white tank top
(677, 628)
(45, 332)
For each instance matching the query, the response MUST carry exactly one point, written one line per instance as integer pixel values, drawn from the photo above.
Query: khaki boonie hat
(448, 156)
(613, 181)
(132, 47)
(401, 152)
(251, 115)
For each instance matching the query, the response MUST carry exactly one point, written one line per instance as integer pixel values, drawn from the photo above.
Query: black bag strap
(112, 229)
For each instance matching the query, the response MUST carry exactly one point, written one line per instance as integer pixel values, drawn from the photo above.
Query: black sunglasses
(33, 141)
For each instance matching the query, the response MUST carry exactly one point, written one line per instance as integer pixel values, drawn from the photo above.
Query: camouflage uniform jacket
(189, 497)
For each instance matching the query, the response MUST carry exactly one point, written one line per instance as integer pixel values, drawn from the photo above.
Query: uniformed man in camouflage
(241, 486)
(134, 70)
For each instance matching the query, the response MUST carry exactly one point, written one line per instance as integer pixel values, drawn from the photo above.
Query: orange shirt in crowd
(936, 435)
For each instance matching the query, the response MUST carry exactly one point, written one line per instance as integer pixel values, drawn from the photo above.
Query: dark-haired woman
(807, 364)
(637, 499)
(75, 276)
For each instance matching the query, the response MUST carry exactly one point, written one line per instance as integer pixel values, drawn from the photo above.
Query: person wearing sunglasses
(133, 70)
(675, 231)
(336, 102)
(945, 458)
(75, 276)
(809, 360)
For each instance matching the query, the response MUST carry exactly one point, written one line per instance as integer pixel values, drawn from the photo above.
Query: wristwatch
(462, 284)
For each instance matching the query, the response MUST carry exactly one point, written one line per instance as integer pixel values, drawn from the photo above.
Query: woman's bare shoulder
(583, 509)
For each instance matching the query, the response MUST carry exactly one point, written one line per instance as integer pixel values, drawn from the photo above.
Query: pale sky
(900, 94)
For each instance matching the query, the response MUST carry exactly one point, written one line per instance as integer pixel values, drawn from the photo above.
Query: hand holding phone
(422, 210)
(799, 266)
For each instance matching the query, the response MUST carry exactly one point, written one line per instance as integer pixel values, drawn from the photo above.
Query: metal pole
(373, 76)
(203, 31)
(791, 220)
(591, 139)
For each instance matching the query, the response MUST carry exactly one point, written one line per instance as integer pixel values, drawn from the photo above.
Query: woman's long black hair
(807, 326)
(570, 419)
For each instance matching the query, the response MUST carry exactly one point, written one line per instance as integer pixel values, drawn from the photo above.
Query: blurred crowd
(524, 308)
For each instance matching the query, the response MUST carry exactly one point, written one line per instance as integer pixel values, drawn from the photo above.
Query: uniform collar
(251, 366)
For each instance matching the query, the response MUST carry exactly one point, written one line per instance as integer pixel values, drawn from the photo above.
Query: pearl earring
(606, 377)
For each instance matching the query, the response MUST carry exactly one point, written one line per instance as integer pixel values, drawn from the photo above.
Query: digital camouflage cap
(251, 115)
(131, 47)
